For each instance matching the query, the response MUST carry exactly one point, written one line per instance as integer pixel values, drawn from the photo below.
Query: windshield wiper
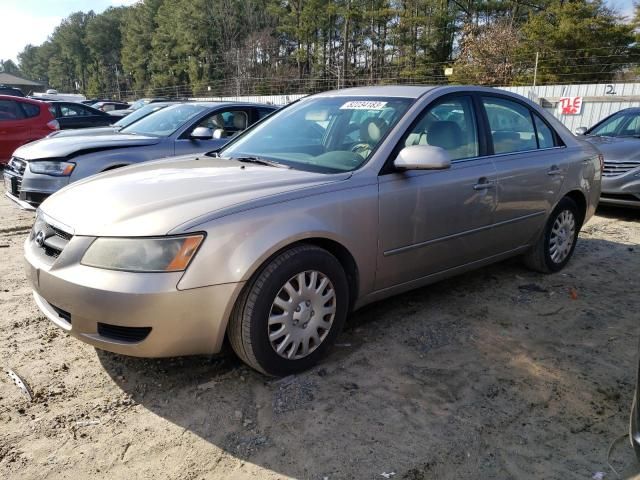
(260, 161)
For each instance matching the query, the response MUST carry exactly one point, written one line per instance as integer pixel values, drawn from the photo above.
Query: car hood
(67, 147)
(154, 198)
(616, 148)
(79, 132)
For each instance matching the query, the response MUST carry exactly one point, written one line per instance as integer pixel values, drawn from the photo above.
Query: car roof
(405, 91)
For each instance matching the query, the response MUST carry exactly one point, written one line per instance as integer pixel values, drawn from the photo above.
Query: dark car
(618, 138)
(119, 123)
(75, 115)
(13, 91)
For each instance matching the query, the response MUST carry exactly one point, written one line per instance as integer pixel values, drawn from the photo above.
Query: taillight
(53, 125)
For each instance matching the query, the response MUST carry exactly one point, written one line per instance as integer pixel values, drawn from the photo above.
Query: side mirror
(202, 133)
(218, 133)
(422, 157)
(581, 130)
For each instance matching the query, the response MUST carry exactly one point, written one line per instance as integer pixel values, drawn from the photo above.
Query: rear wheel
(554, 248)
(291, 312)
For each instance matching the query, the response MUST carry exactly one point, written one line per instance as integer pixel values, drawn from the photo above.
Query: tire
(543, 257)
(266, 309)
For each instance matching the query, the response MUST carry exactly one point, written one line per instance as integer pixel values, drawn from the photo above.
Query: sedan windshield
(325, 134)
(166, 121)
(138, 114)
(623, 124)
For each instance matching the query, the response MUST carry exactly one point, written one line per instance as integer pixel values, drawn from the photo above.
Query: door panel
(530, 169)
(433, 221)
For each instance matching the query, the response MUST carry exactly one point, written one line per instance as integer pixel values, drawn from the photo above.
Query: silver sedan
(336, 201)
(618, 138)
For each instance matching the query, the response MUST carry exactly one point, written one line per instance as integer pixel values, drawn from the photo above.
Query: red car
(23, 120)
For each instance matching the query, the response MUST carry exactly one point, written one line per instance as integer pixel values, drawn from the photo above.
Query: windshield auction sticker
(363, 105)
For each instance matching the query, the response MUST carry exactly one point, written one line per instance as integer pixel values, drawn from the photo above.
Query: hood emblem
(40, 238)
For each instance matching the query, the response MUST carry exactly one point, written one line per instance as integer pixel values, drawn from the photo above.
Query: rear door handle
(555, 171)
(483, 184)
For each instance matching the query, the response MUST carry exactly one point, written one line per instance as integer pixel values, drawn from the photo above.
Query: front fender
(239, 244)
(89, 164)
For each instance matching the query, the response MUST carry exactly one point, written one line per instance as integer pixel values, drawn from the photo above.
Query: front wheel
(291, 312)
(554, 248)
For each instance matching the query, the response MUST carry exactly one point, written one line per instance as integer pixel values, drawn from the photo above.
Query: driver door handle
(483, 184)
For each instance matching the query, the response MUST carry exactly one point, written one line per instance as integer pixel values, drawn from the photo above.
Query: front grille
(123, 334)
(620, 196)
(51, 240)
(613, 169)
(16, 166)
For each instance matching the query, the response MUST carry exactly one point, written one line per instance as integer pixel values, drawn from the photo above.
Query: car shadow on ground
(499, 373)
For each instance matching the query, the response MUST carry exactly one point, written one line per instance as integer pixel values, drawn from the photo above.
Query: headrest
(373, 130)
(240, 120)
(445, 134)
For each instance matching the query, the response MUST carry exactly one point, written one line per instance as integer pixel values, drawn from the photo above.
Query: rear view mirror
(202, 133)
(422, 157)
(581, 130)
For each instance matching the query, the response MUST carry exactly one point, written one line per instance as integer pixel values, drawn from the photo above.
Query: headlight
(56, 169)
(164, 254)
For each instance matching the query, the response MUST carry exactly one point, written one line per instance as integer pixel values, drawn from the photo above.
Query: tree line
(222, 47)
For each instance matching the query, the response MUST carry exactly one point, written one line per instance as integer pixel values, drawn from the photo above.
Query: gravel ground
(500, 373)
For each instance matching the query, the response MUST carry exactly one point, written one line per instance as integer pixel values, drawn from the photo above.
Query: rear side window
(544, 133)
(10, 110)
(72, 111)
(31, 110)
(511, 126)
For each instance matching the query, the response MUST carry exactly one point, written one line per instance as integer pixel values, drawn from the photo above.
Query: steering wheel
(363, 149)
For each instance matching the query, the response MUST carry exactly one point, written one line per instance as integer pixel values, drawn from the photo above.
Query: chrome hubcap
(301, 315)
(562, 236)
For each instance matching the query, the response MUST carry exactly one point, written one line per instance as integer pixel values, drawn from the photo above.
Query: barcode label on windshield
(363, 105)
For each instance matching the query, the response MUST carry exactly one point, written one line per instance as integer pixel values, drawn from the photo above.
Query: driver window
(448, 124)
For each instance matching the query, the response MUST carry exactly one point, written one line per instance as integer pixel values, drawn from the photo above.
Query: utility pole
(118, 81)
(535, 71)
(238, 72)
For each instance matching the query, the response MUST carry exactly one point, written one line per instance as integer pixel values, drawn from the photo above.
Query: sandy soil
(501, 373)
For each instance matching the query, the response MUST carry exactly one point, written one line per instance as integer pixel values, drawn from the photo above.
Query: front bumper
(33, 188)
(138, 314)
(623, 190)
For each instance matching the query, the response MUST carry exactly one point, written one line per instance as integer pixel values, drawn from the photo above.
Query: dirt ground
(501, 373)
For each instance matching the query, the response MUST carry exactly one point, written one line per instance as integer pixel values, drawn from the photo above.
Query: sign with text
(570, 105)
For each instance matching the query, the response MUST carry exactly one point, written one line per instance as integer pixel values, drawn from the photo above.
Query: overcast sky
(32, 21)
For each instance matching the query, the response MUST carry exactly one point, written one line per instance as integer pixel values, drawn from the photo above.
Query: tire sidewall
(563, 205)
(315, 259)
